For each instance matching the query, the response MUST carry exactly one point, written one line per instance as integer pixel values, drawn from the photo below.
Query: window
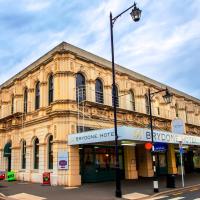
(80, 88)
(51, 86)
(12, 104)
(36, 153)
(176, 110)
(23, 154)
(99, 91)
(50, 152)
(116, 97)
(37, 95)
(25, 100)
(132, 100)
(147, 104)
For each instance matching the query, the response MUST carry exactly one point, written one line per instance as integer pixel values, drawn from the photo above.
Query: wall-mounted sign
(178, 126)
(160, 147)
(63, 160)
(131, 134)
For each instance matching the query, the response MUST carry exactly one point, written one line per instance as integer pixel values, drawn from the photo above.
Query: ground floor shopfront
(90, 156)
(97, 154)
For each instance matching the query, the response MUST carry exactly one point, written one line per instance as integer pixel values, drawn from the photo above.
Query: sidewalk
(93, 191)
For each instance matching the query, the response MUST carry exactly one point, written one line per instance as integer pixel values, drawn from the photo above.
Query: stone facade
(63, 115)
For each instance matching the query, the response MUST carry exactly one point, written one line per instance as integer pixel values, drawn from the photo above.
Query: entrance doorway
(7, 154)
(98, 163)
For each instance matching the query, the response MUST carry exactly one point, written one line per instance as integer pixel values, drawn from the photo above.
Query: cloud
(162, 45)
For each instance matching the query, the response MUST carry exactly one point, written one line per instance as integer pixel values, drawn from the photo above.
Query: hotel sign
(131, 134)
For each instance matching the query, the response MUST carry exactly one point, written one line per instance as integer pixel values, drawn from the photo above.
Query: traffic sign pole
(181, 154)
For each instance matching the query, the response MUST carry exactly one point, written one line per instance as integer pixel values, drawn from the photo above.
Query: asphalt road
(190, 194)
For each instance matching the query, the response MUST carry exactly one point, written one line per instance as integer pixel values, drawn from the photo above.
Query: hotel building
(47, 109)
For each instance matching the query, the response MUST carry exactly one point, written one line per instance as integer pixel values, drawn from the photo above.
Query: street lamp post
(135, 14)
(168, 98)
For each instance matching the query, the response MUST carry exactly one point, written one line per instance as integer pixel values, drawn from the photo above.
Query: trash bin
(46, 178)
(171, 181)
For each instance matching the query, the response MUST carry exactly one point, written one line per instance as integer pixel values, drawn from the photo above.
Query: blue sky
(164, 45)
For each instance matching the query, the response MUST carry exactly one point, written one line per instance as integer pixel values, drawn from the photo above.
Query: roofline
(63, 46)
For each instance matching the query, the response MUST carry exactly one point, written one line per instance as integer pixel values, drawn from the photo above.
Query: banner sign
(178, 126)
(63, 160)
(132, 134)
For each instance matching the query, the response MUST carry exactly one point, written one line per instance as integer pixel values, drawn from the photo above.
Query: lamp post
(135, 14)
(167, 98)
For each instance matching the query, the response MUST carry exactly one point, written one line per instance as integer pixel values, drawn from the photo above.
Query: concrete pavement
(93, 191)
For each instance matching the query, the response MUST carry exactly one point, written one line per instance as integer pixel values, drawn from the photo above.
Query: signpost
(181, 155)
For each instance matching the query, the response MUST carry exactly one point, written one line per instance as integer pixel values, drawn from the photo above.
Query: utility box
(171, 181)
(11, 176)
(46, 178)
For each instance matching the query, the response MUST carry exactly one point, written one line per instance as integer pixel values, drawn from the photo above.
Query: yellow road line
(177, 193)
(194, 189)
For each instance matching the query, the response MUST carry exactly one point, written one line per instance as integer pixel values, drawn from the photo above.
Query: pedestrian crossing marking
(25, 196)
(134, 196)
(157, 198)
(197, 199)
(177, 198)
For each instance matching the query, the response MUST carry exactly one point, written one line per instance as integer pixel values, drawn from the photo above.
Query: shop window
(116, 97)
(83, 129)
(51, 89)
(99, 91)
(25, 100)
(37, 95)
(80, 88)
(23, 154)
(36, 153)
(50, 152)
(147, 104)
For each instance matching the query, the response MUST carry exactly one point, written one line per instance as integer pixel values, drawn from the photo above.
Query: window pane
(80, 88)
(99, 91)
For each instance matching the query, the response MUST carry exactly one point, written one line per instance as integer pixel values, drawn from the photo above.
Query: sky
(164, 45)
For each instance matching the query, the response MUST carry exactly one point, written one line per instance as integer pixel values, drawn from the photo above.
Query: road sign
(181, 150)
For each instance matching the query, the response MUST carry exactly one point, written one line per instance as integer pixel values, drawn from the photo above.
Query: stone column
(29, 163)
(171, 160)
(144, 158)
(130, 163)
(74, 178)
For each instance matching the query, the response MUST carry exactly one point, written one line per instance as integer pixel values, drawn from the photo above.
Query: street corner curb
(170, 191)
(2, 195)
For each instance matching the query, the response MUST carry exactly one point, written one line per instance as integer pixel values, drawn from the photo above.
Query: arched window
(132, 100)
(50, 152)
(99, 91)
(116, 96)
(147, 104)
(176, 110)
(80, 88)
(25, 100)
(51, 87)
(12, 104)
(36, 153)
(23, 154)
(37, 95)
